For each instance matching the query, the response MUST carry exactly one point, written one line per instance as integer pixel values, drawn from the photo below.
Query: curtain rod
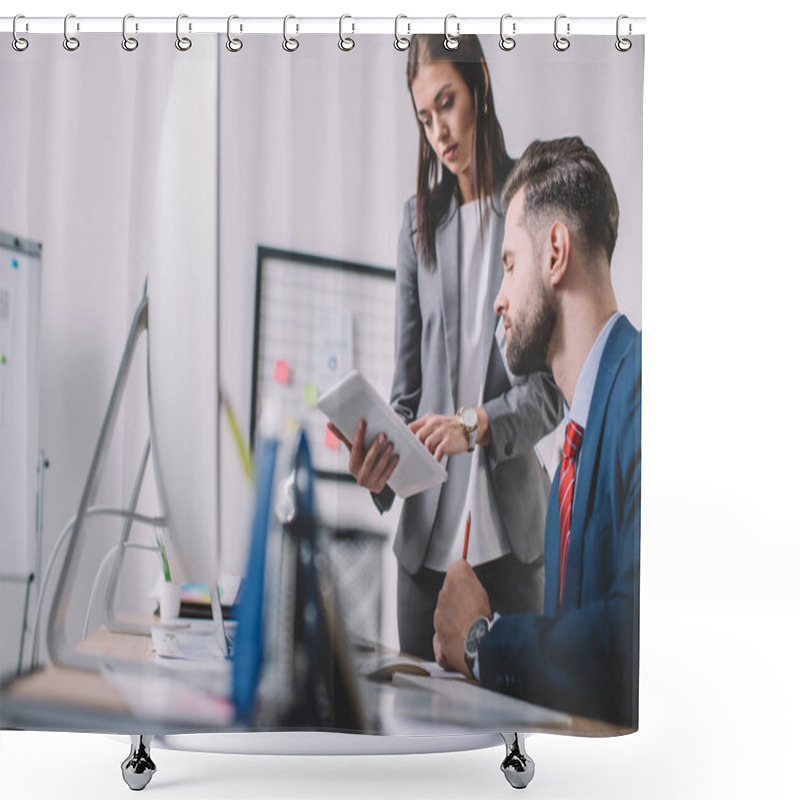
(348, 25)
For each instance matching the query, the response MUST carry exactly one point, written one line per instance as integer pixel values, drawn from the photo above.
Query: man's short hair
(566, 175)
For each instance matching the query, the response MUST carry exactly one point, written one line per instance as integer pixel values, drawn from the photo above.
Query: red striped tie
(566, 486)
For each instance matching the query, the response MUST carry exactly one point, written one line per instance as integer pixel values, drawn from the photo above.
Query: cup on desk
(169, 601)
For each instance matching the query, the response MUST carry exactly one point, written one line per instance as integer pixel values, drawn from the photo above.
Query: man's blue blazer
(584, 657)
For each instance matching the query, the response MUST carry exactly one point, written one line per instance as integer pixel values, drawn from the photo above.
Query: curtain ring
(345, 42)
(129, 43)
(182, 42)
(507, 42)
(233, 44)
(623, 45)
(71, 43)
(400, 42)
(18, 43)
(561, 43)
(451, 42)
(289, 44)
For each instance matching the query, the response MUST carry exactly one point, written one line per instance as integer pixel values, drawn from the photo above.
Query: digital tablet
(354, 398)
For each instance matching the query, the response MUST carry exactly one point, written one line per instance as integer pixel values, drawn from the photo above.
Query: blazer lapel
(447, 252)
(495, 266)
(449, 283)
(617, 344)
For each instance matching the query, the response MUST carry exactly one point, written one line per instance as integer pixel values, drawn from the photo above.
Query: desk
(61, 698)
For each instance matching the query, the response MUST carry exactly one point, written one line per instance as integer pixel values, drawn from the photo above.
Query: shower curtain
(285, 174)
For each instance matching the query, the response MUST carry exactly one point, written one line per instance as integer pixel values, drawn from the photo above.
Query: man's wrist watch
(468, 420)
(476, 632)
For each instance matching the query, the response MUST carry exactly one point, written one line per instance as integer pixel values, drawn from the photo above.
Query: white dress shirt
(467, 487)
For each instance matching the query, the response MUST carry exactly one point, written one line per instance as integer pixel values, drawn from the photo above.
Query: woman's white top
(467, 486)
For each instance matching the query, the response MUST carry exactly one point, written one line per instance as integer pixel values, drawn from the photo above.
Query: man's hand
(373, 468)
(461, 601)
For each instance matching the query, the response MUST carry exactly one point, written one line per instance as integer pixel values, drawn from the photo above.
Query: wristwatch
(476, 632)
(468, 420)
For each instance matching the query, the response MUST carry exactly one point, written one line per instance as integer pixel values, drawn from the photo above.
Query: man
(559, 310)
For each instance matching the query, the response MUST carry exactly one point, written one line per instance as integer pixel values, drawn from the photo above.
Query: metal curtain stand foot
(138, 768)
(517, 766)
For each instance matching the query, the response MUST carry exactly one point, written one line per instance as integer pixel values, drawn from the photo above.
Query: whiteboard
(318, 318)
(20, 302)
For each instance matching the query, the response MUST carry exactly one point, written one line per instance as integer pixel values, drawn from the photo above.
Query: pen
(466, 534)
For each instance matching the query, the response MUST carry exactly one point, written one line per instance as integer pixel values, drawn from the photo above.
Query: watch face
(469, 418)
(475, 633)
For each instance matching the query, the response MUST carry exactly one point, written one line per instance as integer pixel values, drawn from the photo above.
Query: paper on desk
(198, 643)
(383, 667)
(158, 696)
(469, 703)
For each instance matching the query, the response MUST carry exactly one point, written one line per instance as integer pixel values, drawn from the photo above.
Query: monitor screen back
(183, 394)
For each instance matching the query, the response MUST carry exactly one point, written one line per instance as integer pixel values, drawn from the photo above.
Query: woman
(450, 383)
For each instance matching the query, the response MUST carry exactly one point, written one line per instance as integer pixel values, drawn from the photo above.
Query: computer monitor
(179, 314)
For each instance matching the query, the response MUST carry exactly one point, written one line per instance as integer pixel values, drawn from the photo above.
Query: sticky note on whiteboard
(310, 395)
(282, 371)
(331, 442)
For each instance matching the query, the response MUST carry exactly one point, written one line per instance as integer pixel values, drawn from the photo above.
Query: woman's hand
(373, 468)
(442, 435)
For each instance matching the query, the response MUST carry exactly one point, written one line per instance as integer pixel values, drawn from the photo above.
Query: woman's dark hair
(490, 161)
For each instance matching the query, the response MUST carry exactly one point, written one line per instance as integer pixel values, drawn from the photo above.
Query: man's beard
(526, 350)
